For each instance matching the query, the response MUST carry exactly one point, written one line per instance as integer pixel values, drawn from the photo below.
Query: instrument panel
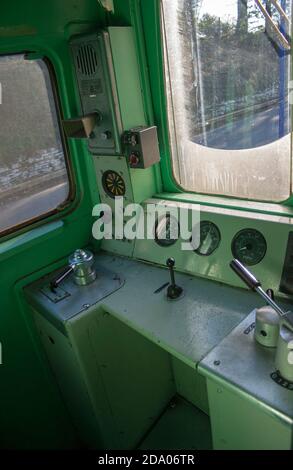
(224, 234)
(248, 246)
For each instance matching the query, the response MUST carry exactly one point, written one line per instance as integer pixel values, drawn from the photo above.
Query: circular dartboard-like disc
(113, 184)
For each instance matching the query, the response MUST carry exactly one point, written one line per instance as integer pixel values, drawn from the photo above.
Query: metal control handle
(250, 280)
(246, 276)
(55, 282)
(81, 263)
(173, 291)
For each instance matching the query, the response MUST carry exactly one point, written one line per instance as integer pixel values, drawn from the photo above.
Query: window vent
(87, 62)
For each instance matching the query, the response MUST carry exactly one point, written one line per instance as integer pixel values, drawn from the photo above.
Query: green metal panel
(238, 424)
(130, 95)
(129, 380)
(127, 76)
(65, 368)
(32, 414)
(182, 426)
(190, 385)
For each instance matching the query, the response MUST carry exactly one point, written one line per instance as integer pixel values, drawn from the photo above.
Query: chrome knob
(82, 262)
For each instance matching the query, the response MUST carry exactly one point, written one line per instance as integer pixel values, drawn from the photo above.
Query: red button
(133, 159)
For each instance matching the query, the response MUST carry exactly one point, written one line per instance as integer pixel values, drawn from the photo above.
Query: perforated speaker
(113, 184)
(87, 61)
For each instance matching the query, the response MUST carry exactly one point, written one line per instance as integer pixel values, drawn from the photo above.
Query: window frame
(59, 210)
(153, 30)
(173, 155)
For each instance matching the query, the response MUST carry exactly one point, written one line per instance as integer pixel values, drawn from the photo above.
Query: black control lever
(173, 291)
(248, 278)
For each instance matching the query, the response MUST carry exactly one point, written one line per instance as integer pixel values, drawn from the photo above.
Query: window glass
(33, 174)
(227, 69)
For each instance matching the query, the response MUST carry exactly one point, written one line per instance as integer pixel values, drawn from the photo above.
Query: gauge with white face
(249, 246)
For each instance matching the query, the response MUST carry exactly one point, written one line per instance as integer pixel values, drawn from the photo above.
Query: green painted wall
(32, 414)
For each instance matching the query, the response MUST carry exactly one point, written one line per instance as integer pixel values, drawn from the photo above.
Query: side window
(228, 80)
(33, 172)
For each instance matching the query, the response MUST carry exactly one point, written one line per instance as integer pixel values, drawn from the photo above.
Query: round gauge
(249, 246)
(113, 184)
(210, 238)
(167, 231)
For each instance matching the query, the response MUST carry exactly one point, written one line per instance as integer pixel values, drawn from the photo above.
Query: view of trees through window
(228, 76)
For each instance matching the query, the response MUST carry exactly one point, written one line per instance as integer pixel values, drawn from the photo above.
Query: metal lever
(174, 291)
(54, 284)
(81, 263)
(248, 278)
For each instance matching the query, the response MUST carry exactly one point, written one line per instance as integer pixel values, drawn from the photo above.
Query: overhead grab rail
(281, 12)
(283, 16)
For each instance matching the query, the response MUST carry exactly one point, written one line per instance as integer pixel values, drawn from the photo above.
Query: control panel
(223, 234)
(97, 89)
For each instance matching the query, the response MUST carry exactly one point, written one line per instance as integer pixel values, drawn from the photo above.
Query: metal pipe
(281, 11)
(270, 301)
(254, 284)
(283, 40)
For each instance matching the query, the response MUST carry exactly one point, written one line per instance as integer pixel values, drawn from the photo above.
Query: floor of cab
(181, 427)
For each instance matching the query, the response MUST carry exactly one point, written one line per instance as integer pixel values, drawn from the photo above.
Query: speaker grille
(113, 184)
(87, 62)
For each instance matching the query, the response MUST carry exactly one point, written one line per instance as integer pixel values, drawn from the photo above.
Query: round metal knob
(170, 262)
(267, 326)
(82, 263)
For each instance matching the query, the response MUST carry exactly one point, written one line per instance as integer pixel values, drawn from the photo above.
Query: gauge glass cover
(210, 238)
(167, 231)
(249, 246)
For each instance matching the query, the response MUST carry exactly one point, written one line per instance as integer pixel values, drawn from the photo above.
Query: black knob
(170, 262)
(173, 291)
(271, 294)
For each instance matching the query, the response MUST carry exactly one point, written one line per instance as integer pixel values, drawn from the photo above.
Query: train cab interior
(146, 225)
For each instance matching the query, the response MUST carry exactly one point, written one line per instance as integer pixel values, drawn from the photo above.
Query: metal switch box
(141, 147)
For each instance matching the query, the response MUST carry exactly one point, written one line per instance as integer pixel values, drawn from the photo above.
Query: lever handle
(173, 291)
(246, 276)
(254, 284)
(171, 263)
(55, 282)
